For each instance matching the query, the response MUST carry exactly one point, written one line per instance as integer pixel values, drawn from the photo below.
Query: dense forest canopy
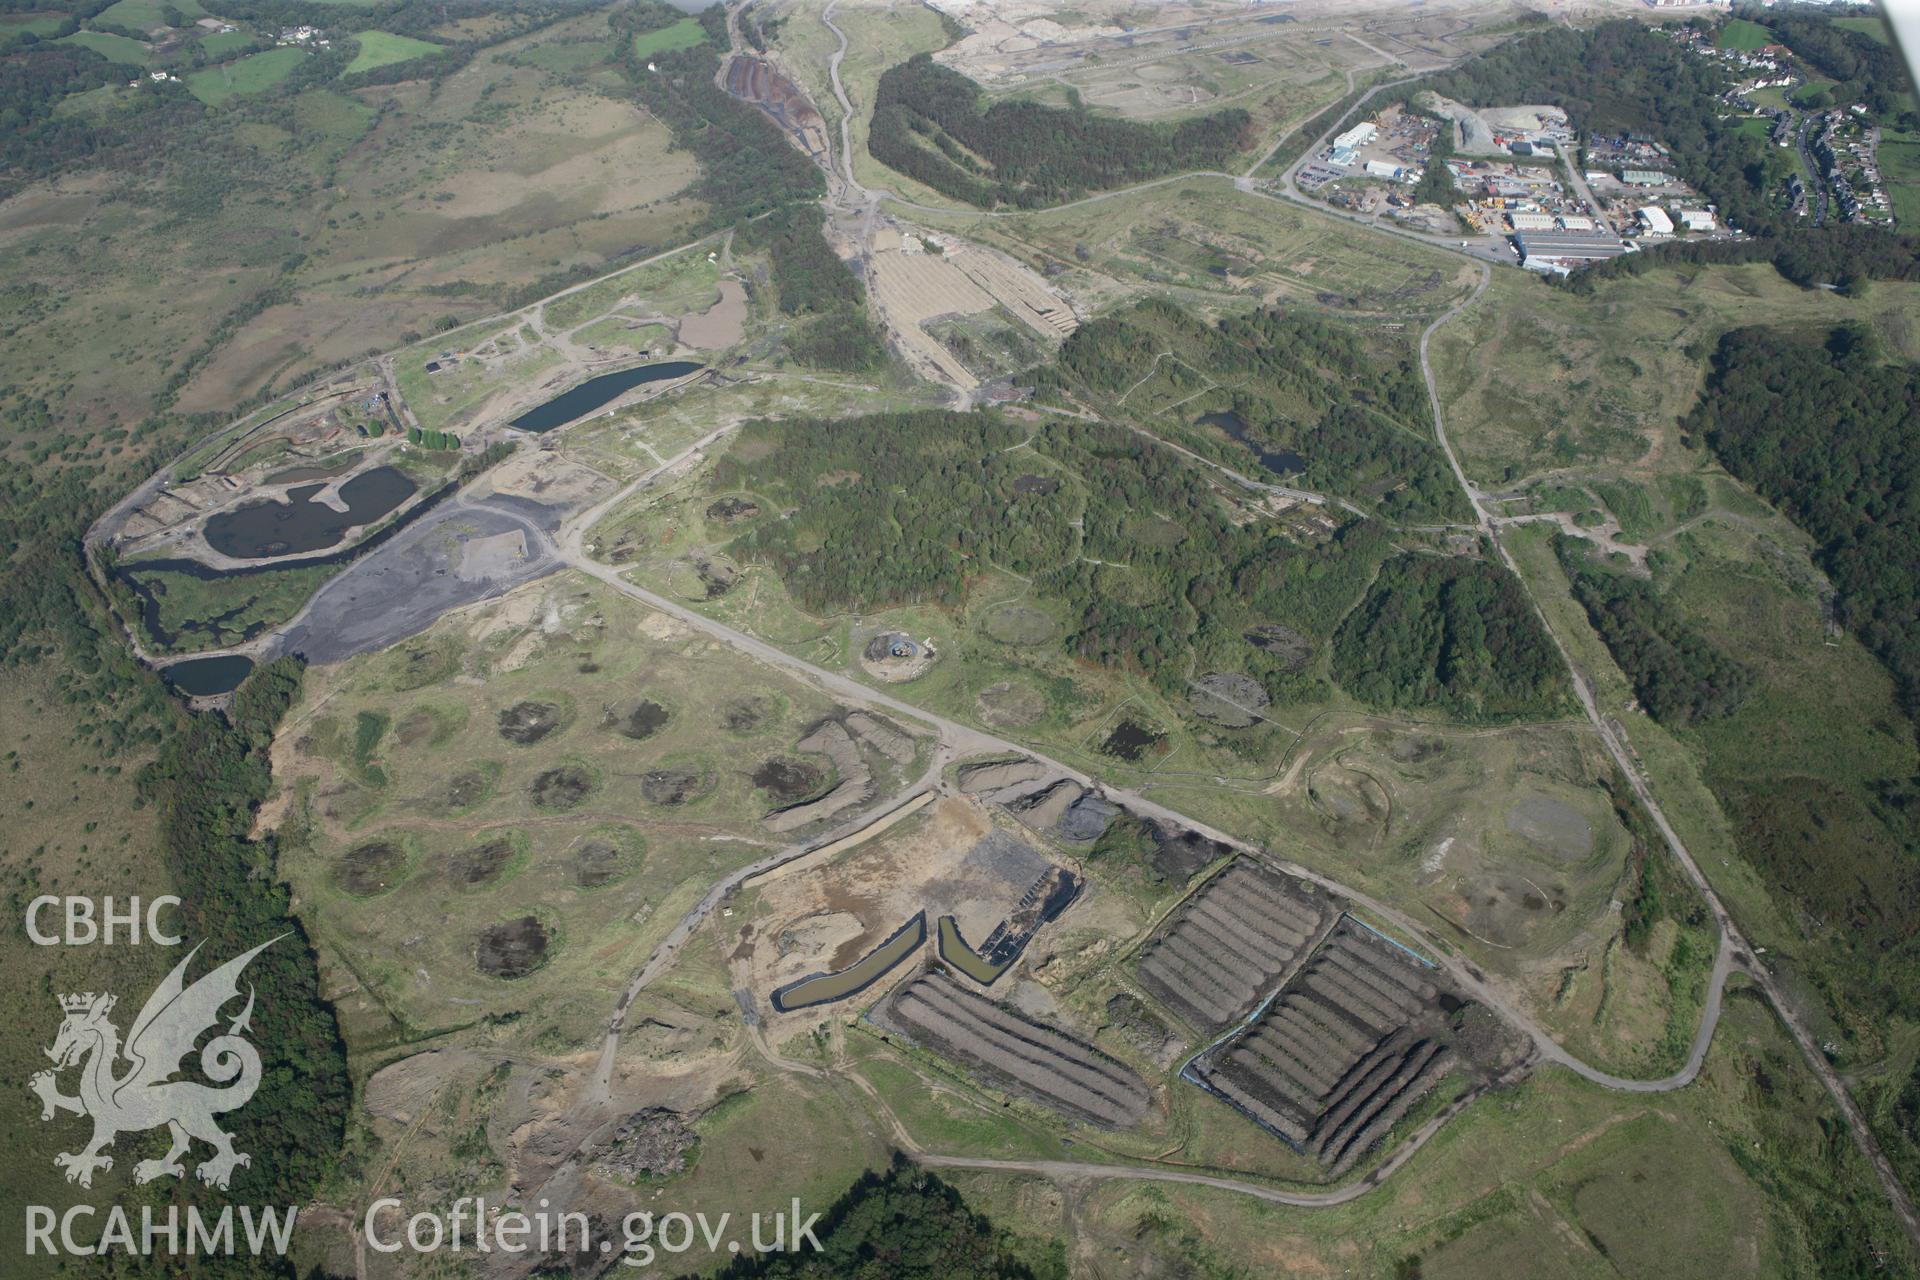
(207, 782)
(928, 124)
(1825, 431)
(906, 1224)
(1138, 552)
(1454, 633)
(1864, 70)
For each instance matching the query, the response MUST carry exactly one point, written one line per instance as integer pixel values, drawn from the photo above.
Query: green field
(1900, 170)
(1743, 35)
(252, 74)
(111, 47)
(39, 24)
(1876, 28)
(145, 15)
(383, 49)
(1804, 94)
(223, 44)
(683, 34)
(573, 55)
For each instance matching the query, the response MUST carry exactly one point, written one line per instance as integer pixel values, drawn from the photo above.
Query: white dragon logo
(146, 1096)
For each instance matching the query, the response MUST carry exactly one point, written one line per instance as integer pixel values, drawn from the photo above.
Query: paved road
(963, 740)
(1816, 180)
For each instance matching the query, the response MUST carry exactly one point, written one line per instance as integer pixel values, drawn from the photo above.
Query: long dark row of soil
(1215, 957)
(1035, 1060)
(1334, 1062)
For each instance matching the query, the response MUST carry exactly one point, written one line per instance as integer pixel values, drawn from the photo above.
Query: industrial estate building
(1562, 251)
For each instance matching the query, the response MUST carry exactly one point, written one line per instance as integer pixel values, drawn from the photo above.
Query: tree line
(906, 1224)
(1847, 256)
(928, 123)
(206, 783)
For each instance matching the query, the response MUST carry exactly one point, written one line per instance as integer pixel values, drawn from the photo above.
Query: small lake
(150, 592)
(203, 677)
(1129, 741)
(262, 529)
(590, 395)
(1282, 462)
(822, 988)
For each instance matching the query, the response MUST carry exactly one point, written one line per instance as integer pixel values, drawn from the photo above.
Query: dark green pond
(594, 392)
(1282, 462)
(262, 529)
(202, 677)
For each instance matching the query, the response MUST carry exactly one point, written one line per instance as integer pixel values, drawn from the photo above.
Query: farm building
(1655, 220)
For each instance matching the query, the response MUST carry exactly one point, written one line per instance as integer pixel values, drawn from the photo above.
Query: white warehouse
(1358, 136)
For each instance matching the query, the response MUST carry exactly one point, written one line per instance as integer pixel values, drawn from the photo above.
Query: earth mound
(561, 788)
(672, 786)
(597, 863)
(370, 869)
(1229, 699)
(468, 788)
(787, 780)
(744, 715)
(732, 510)
(512, 948)
(1289, 646)
(482, 864)
(525, 723)
(642, 719)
